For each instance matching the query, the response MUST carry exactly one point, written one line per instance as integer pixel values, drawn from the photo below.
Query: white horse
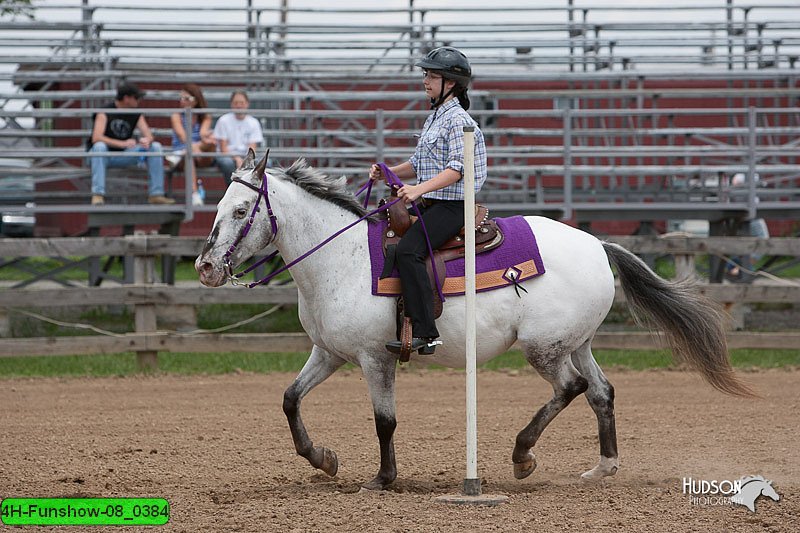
(554, 322)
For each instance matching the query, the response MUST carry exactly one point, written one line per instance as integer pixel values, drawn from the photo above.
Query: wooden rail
(145, 295)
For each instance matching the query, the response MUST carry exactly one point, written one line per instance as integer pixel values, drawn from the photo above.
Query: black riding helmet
(452, 64)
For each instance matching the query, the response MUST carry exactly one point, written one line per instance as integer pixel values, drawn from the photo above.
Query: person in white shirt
(235, 133)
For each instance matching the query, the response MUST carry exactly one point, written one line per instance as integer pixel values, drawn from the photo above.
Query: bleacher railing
(581, 164)
(259, 36)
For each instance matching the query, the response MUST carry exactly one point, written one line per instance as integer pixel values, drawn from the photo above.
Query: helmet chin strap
(436, 102)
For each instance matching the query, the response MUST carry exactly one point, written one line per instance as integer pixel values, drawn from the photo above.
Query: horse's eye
(240, 212)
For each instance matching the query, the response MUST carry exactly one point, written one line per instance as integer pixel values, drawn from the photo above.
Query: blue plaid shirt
(441, 146)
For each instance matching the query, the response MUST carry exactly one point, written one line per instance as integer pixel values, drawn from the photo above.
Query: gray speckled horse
(554, 322)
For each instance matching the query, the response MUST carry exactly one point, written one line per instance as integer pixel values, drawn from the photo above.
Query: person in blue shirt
(200, 133)
(438, 168)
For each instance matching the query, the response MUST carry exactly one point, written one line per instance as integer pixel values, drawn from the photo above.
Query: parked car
(16, 189)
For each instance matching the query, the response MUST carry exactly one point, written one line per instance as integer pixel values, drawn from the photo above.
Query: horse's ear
(261, 166)
(249, 161)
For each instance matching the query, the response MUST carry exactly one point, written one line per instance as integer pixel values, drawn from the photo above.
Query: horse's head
(769, 491)
(231, 242)
(751, 488)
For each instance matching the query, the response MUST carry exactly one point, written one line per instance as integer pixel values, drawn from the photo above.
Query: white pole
(472, 483)
(471, 493)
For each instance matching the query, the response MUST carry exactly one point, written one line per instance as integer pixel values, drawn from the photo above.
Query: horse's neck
(303, 223)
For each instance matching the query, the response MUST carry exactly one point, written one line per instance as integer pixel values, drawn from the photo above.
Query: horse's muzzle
(210, 276)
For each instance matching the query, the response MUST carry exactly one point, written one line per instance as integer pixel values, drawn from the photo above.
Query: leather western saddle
(487, 237)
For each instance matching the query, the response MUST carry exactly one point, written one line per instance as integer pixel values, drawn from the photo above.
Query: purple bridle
(263, 192)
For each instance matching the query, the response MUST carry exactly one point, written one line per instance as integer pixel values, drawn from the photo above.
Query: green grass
(284, 320)
(665, 266)
(212, 363)
(765, 358)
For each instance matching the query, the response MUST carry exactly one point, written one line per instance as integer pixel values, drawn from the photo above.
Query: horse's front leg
(380, 376)
(318, 368)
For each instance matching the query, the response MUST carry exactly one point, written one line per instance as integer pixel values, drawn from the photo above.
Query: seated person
(203, 139)
(236, 132)
(113, 132)
(739, 268)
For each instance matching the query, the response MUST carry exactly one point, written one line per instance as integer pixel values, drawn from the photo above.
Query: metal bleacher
(592, 111)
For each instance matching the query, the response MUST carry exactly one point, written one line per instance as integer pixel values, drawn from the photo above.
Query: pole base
(472, 495)
(490, 500)
(472, 486)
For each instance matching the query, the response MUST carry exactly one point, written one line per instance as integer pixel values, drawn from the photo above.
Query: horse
(751, 488)
(554, 321)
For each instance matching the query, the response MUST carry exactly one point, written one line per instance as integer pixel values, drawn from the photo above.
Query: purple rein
(393, 181)
(263, 192)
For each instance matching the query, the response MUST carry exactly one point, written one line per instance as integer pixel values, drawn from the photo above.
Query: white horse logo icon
(751, 488)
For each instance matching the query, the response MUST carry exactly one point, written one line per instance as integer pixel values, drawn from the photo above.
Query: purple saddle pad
(517, 259)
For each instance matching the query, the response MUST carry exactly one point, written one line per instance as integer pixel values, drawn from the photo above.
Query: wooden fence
(145, 295)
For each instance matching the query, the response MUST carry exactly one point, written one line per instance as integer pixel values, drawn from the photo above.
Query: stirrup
(423, 346)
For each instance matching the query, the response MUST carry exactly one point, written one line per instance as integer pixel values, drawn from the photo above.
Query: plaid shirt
(441, 146)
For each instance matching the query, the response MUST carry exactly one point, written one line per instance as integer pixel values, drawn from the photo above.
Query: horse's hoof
(607, 467)
(375, 484)
(526, 467)
(379, 483)
(330, 464)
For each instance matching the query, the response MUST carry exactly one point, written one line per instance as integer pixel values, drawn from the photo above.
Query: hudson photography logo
(744, 491)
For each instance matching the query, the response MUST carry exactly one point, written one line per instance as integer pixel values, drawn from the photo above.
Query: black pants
(443, 220)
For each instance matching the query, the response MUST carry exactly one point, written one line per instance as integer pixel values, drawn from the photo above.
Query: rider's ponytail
(463, 99)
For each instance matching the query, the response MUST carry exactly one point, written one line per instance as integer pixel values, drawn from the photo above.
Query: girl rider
(438, 167)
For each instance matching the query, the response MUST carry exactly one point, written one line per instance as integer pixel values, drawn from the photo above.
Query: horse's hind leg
(380, 376)
(318, 368)
(600, 395)
(567, 384)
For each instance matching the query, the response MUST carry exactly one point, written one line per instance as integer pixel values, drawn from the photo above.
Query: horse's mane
(322, 186)
(748, 479)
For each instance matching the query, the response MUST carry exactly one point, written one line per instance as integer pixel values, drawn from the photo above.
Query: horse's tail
(694, 326)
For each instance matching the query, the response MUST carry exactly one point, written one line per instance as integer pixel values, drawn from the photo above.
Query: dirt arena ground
(218, 448)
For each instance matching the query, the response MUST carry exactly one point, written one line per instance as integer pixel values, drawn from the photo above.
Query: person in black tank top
(114, 132)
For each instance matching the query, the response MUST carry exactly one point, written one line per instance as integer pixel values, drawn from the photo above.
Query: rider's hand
(409, 193)
(375, 173)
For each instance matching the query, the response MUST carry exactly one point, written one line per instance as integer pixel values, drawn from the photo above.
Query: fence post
(144, 313)
(5, 323)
